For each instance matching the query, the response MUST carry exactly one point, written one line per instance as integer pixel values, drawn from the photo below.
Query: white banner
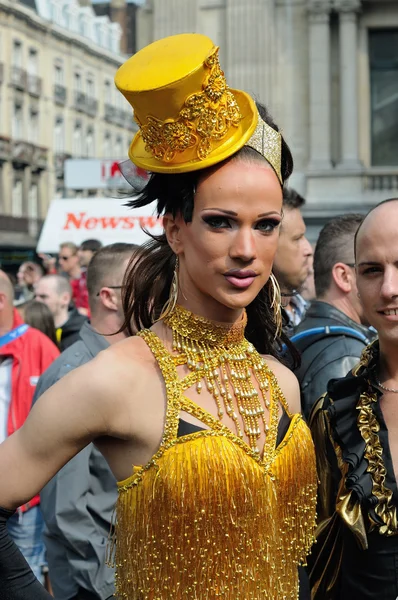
(99, 174)
(104, 219)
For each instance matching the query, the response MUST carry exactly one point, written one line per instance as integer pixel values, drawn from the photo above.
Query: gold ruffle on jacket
(353, 491)
(208, 517)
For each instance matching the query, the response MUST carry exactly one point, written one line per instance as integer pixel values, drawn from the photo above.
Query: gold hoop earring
(172, 300)
(276, 303)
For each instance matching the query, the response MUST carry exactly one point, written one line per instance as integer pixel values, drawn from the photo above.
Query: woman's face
(226, 251)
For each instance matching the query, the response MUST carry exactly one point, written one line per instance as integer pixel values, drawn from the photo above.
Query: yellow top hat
(189, 118)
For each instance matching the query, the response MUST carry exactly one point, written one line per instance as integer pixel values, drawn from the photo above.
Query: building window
(16, 198)
(33, 131)
(383, 54)
(77, 140)
(119, 148)
(58, 73)
(90, 147)
(90, 87)
(33, 62)
(17, 122)
(107, 149)
(78, 81)
(108, 92)
(59, 135)
(33, 201)
(17, 54)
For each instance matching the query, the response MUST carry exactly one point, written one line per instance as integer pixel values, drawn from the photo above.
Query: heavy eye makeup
(215, 222)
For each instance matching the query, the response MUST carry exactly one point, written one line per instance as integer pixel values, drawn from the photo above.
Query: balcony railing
(34, 85)
(91, 106)
(29, 154)
(59, 94)
(119, 116)
(110, 112)
(5, 148)
(80, 101)
(381, 179)
(18, 78)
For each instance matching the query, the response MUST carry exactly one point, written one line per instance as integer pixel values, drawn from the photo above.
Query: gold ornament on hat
(205, 117)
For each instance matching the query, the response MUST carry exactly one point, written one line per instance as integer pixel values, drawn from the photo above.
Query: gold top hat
(189, 118)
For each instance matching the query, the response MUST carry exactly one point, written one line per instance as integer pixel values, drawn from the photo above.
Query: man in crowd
(86, 252)
(78, 502)
(69, 262)
(28, 275)
(291, 263)
(331, 337)
(55, 291)
(355, 430)
(25, 353)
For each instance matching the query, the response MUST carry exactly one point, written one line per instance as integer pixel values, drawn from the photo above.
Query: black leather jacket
(326, 357)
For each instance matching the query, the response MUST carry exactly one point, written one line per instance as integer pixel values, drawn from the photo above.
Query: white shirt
(5, 395)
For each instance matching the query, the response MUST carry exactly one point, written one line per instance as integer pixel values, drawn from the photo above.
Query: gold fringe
(200, 526)
(296, 480)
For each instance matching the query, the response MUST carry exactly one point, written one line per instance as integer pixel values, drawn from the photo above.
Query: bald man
(25, 354)
(355, 429)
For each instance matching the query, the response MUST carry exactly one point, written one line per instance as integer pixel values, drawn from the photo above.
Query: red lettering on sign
(74, 220)
(148, 222)
(110, 222)
(115, 169)
(81, 221)
(91, 223)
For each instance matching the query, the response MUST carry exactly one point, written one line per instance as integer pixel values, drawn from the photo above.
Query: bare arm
(65, 419)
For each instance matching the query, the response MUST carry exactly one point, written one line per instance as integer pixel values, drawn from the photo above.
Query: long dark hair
(38, 315)
(148, 279)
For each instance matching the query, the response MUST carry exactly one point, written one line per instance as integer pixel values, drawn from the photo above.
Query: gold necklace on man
(221, 358)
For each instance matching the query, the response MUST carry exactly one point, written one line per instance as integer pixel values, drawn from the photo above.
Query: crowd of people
(162, 379)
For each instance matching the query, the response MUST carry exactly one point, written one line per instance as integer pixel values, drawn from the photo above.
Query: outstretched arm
(65, 419)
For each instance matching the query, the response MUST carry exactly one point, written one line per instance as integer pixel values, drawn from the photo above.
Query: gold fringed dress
(210, 518)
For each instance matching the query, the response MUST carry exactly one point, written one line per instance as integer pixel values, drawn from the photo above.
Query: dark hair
(148, 281)
(366, 216)
(105, 267)
(92, 245)
(38, 315)
(292, 199)
(335, 244)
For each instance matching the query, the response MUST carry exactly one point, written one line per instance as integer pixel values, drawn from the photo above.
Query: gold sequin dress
(208, 517)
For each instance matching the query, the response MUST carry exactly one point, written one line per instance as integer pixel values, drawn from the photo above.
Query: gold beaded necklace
(222, 357)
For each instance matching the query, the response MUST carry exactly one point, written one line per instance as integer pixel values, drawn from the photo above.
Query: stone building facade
(328, 71)
(57, 100)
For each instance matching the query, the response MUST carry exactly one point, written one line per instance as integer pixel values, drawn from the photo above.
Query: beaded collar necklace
(221, 358)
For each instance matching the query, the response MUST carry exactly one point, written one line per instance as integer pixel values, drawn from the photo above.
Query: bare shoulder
(98, 390)
(287, 381)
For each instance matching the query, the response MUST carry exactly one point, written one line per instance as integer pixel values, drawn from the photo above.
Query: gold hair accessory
(276, 303)
(222, 357)
(268, 142)
(172, 300)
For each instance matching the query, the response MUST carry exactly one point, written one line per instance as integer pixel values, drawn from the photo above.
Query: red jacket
(32, 354)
